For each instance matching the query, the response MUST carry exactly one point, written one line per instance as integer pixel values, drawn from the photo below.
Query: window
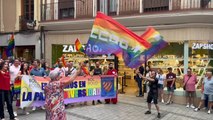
(66, 9)
(28, 9)
(155, 5)
(108, 7)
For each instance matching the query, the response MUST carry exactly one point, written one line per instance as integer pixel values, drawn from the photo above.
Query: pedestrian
(37, 71)
(70, 69)
(189, 82)
(170, 78)
(208, 89)
(147, 74)
(5, 92)
(201, 99)
(23, 71)
(97, 71)
(153, 93)
(138, 79)
(54, 92)
(112, 71)
(161, 82)
(14, 71)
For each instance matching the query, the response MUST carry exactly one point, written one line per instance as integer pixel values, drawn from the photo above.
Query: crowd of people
(12, 70)
(155, 81)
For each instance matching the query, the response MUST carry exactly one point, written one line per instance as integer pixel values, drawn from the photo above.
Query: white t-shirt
(161, 78)
(14, 73)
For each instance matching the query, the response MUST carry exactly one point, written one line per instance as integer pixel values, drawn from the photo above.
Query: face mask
(110, 68)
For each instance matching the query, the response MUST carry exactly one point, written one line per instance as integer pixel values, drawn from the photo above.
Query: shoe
(187, 106)
(43, 108)
(196, 109)
(192, 106)
(168, 102)
(162, 101)
(139, 96)
(14, 119)
(159, 115)
(93, 102)
(2, 119)
(99, 102)
(15, 114)
(147, 112)
(209, 111)
(34, 108)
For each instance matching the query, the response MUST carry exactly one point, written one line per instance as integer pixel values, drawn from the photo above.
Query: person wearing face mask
(111, 71)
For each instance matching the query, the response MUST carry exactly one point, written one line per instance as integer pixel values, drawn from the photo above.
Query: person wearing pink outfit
(189, 81)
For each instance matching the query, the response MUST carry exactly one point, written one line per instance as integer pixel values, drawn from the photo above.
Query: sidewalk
(128, 108)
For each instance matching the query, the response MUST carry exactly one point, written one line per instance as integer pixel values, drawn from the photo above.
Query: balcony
(26, 25)
(134, 14)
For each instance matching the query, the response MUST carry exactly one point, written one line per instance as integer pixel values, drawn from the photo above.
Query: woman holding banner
(54, 92)
(5, 92)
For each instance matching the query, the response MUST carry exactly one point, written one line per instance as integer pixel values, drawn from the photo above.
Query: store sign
(206, 46)
(70, 48)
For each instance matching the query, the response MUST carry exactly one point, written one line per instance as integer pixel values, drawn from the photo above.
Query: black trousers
(140, 86)
(6, 96)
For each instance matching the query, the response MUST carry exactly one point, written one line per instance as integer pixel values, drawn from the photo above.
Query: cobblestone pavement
(128, 108)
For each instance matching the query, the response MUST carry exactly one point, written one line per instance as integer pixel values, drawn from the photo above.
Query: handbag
(184, 86)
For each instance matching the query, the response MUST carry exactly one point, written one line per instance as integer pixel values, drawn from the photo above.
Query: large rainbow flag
(110, 37)
(157, 42)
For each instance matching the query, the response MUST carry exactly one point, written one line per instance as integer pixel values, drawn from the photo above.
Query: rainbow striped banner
(110, 37)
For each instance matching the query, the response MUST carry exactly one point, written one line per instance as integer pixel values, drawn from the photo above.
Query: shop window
(155, 5)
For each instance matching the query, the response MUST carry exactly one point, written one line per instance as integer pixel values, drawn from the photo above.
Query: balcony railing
(25, 24)
(84, 8)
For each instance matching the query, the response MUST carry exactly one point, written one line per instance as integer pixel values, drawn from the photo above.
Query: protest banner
(82, 89)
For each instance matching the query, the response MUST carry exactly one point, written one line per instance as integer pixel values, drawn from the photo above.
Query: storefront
(27, 46)
(70, 54)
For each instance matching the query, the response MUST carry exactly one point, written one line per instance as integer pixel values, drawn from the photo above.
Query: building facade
(20, 17)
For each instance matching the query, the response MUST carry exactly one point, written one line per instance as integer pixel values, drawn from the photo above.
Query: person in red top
(112, 71)
(5, 92)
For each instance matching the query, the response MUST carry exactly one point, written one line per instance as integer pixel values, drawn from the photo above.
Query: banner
(82, 89)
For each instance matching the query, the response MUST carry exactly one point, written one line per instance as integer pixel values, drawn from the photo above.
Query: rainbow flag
(110, 37)
(11, 46)
(85, 70)
(17, 86)
(79, 46)
(63, 61)
(157, 42)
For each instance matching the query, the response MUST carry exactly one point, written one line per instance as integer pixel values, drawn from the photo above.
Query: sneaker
(2, 119)
(192, 106)
(162, 101)
(99, 102)
(15, 114)
(187, 106)
(14, 119)
(93, 102)
(43, 108)
(147, 112)
(159, 115)
(196, 109)
(209, 111)
(168, 102)
(34, 108)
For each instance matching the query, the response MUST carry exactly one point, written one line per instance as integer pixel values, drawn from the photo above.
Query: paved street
(128, 108)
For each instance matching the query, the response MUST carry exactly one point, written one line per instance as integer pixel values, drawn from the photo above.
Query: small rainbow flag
(63, 60)
(79, 46)
(11, 46)
(17, 86)
(85, 70)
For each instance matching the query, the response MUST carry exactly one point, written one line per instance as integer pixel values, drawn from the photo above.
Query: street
(128, 108)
